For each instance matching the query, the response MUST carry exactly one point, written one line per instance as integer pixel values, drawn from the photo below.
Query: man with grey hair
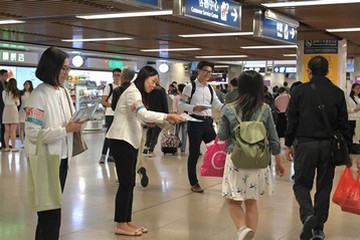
(127, 74)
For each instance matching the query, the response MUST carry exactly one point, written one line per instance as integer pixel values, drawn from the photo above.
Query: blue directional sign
(222, 12)
(275, 28)
(279, 31)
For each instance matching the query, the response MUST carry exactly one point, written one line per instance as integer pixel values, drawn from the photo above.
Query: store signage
(257, 69)
(8, 56)
(320, 46)
(146, 3)
(275, 27)
(225, 13)
(114, 64)
(284, 69)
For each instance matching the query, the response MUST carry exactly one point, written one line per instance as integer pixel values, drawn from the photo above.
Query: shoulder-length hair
(139, 82)
(11, 87)
(250, 93)
(49, 66)
(352, 93)
(30, 89)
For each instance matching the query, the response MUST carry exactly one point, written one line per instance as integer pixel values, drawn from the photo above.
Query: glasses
(66, 69)
(207, 72)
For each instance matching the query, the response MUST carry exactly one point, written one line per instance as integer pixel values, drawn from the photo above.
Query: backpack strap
(193, 88)
(238, 118)
(111, 89)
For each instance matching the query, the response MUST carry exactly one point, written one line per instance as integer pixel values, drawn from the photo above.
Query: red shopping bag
(214, 159)
(346, 179)
(351, 203)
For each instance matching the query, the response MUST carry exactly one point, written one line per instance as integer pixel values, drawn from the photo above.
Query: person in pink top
(281, 103)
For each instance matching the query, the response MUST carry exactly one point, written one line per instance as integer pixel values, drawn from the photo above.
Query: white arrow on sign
(235, 15)
(292, 33)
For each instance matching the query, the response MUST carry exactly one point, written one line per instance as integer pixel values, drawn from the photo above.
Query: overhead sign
(275, 27)
(9, 56)
(320, 46)
(225, 13)
(284, 69)
(146, 3)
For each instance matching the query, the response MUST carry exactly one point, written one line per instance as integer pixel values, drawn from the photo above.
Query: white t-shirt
(109, 111)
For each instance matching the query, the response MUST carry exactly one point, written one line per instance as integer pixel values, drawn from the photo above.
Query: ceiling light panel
(170, 49)
(308, 3)
(96, 39)
(127, 14)
(228, 34)
(269, 47)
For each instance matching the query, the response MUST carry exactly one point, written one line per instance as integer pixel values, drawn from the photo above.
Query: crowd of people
(139, 113)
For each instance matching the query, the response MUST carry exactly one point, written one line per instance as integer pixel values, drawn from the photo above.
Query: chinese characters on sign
(8, 56)
(222, 12)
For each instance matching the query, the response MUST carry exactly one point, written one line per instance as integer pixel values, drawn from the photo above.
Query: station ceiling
(48, 22)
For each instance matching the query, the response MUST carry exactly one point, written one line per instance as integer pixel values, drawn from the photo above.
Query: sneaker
(196, 188)
(111, 159)
(245, 233)
(144, 178)
(318, 234)
(151, 154)
(309, 224)
(145, 151)
(102, 159)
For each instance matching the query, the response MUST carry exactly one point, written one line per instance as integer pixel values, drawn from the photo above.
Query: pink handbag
(214, 159)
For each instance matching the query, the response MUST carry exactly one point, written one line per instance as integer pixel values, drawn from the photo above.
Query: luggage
(170, 142)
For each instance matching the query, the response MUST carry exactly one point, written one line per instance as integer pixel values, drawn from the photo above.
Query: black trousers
(108, 122)
(125, 156)
(352, 125)
(197, 132)
(313, 158)
(48, 226)
(152, 136)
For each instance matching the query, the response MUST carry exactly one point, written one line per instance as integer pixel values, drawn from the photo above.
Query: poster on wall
(325, 48)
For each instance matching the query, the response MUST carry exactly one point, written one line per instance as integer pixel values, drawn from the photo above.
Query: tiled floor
(167, 207)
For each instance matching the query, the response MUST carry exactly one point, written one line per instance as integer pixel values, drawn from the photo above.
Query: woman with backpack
(245, 185)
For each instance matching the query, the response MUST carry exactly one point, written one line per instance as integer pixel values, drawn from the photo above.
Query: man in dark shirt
(3, 77)
(307, 128)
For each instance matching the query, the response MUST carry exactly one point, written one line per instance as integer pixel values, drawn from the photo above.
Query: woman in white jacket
(125, 137)
(353, 107)
(49, 110)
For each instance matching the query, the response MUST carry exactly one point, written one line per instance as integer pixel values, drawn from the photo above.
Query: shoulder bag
(339, 149)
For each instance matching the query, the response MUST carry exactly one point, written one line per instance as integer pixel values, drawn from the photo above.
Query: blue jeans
(183, 127)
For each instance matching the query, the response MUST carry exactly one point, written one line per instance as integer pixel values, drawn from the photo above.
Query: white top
(351, 105)
(109, 111)
(129, 114)
(201, 96)
(9, 99)
(49, 109)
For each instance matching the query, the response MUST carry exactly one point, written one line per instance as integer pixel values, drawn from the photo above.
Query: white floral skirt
(243, 184)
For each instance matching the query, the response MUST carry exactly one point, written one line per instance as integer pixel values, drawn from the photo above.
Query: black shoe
(144, 178)
(318, 234)
(309, 224)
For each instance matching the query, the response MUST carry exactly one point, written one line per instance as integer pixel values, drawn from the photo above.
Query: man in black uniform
(312, 149)
(3, 77)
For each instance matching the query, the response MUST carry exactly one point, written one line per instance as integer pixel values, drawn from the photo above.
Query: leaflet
(190, 118)
(85, 113)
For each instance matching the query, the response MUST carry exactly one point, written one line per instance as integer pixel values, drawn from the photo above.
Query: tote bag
(214, 159)
(43, 178)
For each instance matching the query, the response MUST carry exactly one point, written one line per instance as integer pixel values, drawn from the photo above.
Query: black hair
(250, 93)
(202, 64)
(234, 82)
(319, 66)
(116, 70)
(139, 82)
(181, 87)
(352, 93)
(50, 64)
(294, 85)
(22, 92)
(3, 71)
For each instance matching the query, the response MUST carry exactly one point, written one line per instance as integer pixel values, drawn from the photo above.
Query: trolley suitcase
(170, 143)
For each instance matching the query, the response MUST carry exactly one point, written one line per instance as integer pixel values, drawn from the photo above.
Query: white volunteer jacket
(129, 114)
(351, 105)
(56, 114)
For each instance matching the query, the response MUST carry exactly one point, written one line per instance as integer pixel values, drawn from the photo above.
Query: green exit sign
(115, 64)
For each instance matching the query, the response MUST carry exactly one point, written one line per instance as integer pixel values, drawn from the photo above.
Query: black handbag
(339, 149)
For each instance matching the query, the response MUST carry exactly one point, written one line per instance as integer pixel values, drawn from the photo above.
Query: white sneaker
(151, 154)
(245, 233)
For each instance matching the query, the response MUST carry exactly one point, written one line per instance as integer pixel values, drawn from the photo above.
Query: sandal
(7, 149)
(15, 150)
(136, 232)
